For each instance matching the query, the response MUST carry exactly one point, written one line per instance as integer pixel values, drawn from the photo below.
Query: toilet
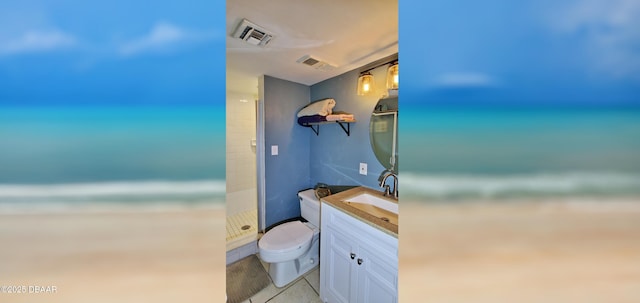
(293, 248)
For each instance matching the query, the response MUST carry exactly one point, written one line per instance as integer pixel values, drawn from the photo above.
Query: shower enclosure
(241, 180)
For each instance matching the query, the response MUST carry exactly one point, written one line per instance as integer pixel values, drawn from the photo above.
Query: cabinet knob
(353, 256)
(359, 261)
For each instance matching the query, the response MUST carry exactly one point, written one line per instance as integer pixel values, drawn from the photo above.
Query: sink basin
(366, 198)
(369, 206)
(376, 206)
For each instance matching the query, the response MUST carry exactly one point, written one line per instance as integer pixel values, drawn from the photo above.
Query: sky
(494, 52)
(111, 52)
(535, 52)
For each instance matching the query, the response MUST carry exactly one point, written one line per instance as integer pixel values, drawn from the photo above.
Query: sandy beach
(560, 250)
(523, 251)
(176, 256)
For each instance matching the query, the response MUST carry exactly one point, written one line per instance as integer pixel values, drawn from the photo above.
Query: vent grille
(245, 31)
(256, 34)
(252, 33)
(316, 63)
(310, 61)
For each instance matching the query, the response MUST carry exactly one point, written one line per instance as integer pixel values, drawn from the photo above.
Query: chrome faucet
(387, 190)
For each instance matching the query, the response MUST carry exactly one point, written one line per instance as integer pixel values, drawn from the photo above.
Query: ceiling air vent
(315, 63)
(252, 33)
(310, 61)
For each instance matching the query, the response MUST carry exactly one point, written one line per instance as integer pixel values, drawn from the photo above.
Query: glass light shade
(392, 77)
(365, 84)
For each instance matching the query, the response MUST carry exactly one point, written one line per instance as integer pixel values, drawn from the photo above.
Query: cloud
(596, 14)
(162, 37)
(463, 80)
(37, 41)
(611, 31)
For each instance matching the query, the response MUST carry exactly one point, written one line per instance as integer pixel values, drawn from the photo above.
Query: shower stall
(241, 180)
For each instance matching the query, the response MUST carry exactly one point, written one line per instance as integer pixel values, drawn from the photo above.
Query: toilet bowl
(285, 242)
(293, 248)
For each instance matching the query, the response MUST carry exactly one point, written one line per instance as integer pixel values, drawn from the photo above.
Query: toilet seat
(285, 242)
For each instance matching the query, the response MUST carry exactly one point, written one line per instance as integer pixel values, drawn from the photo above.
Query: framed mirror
(383, 132)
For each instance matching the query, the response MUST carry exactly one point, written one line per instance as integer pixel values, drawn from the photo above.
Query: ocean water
(72, 158)
(506, 153)
(66, 158)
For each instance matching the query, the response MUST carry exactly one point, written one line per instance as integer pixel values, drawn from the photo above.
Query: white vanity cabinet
(358, 262)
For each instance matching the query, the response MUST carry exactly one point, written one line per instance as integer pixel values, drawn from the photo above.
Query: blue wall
(305, 159)
(288, 172)
(334, 156)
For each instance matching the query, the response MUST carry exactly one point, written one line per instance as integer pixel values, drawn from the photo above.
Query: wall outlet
(274, 150)
(363, 169)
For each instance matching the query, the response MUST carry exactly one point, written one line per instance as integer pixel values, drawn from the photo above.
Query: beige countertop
(363, 213)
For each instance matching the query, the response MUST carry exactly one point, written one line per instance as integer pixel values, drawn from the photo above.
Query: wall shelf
(315, 126)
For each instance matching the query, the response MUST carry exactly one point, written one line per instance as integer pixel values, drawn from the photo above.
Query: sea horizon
(170, 156)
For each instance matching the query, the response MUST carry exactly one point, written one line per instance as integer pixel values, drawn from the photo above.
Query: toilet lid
(285, 237)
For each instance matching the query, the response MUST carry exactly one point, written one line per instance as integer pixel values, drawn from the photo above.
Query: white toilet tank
(310, 206)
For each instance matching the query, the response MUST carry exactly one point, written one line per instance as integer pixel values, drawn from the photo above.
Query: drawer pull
(359, 261)
(353, 256)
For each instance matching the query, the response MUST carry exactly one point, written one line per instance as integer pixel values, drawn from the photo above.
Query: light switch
(363, 169)
(274, 150)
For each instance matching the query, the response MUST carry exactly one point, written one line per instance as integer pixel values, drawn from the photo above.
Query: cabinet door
(341, 276)
(377, 277)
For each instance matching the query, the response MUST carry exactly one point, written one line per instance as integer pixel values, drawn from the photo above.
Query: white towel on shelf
(323, 107)
(339, 117)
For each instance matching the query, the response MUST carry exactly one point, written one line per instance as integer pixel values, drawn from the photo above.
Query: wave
(133, 188)
(66, 207)
(112, 196)
(459, 186)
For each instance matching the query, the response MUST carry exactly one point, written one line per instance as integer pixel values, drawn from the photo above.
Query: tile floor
(305, 289)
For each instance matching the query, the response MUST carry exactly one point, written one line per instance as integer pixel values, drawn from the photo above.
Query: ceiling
(345, 33)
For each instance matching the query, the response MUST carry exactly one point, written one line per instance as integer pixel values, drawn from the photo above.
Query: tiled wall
(241, 252)
(241, 155)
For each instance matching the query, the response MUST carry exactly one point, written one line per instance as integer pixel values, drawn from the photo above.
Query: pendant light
(365, 84)
(392, 76)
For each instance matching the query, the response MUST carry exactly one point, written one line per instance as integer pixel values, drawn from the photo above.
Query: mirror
(383, 132)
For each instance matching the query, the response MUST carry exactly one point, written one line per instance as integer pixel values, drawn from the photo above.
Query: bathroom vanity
(359, 247)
